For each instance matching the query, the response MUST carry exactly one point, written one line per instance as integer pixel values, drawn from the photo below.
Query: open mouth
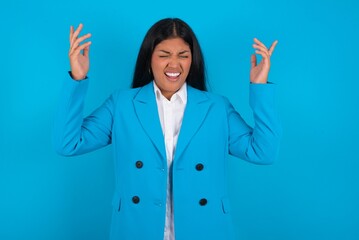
(172, 75)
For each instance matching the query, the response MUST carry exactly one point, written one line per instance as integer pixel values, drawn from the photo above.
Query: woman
(171, 138)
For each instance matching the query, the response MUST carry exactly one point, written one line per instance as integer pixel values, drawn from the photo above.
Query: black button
(199, 167)
(139, 164)
(203, 202)
(135, 199)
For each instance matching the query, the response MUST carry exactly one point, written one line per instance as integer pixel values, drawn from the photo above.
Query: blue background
(311, 192)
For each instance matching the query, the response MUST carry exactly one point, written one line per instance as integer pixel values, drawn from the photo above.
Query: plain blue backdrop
(311, 192)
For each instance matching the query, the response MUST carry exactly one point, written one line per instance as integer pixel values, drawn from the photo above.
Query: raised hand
(259, 72)
(79, 53)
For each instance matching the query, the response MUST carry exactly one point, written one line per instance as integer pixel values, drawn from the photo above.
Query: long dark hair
(165, 29)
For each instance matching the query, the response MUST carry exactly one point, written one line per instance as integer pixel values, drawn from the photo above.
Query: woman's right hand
(79, 53)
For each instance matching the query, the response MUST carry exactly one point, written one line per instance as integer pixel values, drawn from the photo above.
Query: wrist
(77, 78)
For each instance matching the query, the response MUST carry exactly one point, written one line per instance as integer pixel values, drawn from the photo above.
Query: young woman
(171, 138)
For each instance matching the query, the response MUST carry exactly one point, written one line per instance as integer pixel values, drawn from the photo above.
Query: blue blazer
(211, 130)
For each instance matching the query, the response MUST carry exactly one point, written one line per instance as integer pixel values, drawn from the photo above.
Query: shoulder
(217, 97)
(219, 104)
(125, 94)
(209, 96)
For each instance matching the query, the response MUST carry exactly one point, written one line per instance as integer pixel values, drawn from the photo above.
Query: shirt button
(135, 199)
(199, 167)
(139, 164)
(203, 202)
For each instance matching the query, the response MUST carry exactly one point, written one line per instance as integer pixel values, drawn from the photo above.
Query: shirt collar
(181, 93)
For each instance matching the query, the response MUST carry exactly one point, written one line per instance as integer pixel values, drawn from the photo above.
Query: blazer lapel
(146, 109)
(196, 111)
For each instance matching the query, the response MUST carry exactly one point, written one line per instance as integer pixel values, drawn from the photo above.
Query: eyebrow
(184, 51)
(166, 52)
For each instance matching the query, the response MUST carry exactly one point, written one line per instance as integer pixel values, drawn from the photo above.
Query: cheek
(188, 66)
(156, 66)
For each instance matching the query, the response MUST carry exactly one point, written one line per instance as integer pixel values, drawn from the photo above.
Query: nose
(173, 62)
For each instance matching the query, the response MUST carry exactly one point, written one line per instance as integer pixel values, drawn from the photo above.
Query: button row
(199, 166)
(136, 200)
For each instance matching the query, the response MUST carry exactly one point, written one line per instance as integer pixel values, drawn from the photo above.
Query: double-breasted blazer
(210, 131)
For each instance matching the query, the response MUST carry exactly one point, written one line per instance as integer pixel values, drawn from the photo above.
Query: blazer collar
(147, 113)
(195, 113)
(198, 105)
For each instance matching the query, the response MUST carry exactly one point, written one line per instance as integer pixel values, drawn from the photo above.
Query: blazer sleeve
(259, 144)
(73, 134)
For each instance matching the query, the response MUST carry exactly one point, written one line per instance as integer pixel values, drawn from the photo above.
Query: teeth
(169, 74)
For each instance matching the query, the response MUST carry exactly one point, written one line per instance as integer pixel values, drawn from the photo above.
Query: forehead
(172, 44)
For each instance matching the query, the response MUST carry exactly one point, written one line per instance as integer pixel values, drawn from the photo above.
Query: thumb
(253, 60)
(87, 51)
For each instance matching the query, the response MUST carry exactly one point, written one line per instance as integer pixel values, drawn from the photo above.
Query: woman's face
(170, 63)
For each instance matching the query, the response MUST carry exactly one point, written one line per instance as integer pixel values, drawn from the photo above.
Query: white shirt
(171, 115)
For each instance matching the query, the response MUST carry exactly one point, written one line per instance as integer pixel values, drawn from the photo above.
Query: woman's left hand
(259, 72)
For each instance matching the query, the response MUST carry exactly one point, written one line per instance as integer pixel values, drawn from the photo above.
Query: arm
(261, 143)
(73, 134)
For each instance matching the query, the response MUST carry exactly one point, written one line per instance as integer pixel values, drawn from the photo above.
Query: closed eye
(184, 54)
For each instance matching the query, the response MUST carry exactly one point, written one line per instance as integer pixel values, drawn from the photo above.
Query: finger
(259, 42)
(253, 60)
(264, 55)
(77, 32)
(78, 41)
(271, 49)
(71, 32)
(260, 47)
(78, 50)
(87, 51)
(81, 39)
